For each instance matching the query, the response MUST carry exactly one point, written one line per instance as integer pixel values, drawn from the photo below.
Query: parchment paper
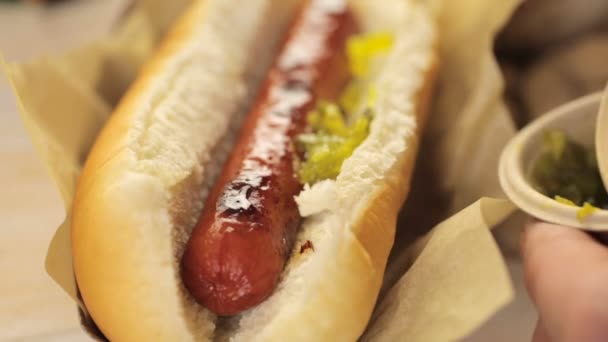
(459, 278)
(452, 287)
(470, 124)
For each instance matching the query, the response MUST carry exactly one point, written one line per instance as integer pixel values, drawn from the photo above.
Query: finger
(540, 334)
(566, 274)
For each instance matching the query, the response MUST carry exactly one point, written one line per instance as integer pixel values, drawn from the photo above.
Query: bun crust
(146, 178)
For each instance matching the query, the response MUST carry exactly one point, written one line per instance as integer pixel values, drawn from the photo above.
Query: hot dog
(248, 225)
(283, 222)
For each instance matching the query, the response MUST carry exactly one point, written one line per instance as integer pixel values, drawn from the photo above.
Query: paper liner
(456, 283)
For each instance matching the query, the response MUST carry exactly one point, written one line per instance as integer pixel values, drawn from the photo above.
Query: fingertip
(547, 248)
(564, 273)
(543, 239)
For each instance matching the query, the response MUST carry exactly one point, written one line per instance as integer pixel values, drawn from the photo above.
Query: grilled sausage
(246, 231)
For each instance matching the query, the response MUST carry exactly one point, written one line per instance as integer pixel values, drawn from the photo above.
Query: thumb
(566, 274)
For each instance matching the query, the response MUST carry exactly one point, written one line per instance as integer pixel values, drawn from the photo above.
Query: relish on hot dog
(284, 221)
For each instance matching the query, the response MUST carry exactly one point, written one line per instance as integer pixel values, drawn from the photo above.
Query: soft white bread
(146, 178)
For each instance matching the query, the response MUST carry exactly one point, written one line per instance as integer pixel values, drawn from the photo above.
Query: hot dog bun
(147, 175)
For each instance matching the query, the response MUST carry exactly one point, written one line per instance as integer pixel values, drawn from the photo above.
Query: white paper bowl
(578, 120)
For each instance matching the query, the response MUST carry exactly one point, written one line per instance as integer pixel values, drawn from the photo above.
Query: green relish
(567, 172)
(337, 128)
(331, 143)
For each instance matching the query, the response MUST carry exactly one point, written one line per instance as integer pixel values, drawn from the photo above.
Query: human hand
(566, 273)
